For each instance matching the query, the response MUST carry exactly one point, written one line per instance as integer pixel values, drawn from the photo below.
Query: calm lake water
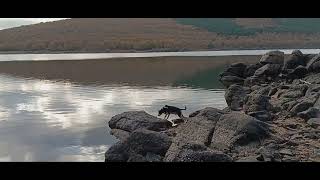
(59, 110)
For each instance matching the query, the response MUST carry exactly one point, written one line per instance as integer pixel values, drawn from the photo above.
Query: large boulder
(237, 69)
(251, 69)
(120, 134)
(298, 73)
(256, 102)
(136, 147)
(301, 106)
(315, 67)
(297, 53)
(295, 59)
(237, 129)
(132, 120)
(196, 130)
(312, 62)
(268, 70)
(229, 80)
(234, 96)
(273, 57)
(308, 57)
(310, 113)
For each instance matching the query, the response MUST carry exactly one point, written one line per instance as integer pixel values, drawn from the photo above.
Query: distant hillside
(162, 34)
(252, 26)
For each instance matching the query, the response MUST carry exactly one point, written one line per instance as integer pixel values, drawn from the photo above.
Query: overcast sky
(14, 22)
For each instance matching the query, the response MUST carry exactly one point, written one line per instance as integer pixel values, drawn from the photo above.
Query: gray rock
(272, 91)
(293, 61)
(314, 122)
(136, 158)
(130, 121)
(298, 73)
(249, 159)
(253, 80)
(268, 70)
(117, 153)
(234, 96)
(251, 69)
(229, 80)
(302, 106)
(150, 157)
(272, 57)
(237, 129)
(287, 152)
(208, 112)
(289, 105)
(196, 130)
(310, 113)
(315, 67)
(255, 87)
(263, 90)
(226, 73)
(313, 89)
(261, 115)
(256, 102)
(294, 91)
(137, 145)
(313, 78)
(297, 53)
(200, 153)
(313, 61)
(311, 135)
(120, 134)
(237, 69)
(308, 57)
(317, 103)
(269, 154)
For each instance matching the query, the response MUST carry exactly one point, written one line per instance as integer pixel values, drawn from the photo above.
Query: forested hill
(163, 34)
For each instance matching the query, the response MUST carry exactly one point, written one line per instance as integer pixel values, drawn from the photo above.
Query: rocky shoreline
(273, 114)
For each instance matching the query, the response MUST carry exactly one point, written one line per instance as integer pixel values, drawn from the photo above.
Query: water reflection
(57, 111)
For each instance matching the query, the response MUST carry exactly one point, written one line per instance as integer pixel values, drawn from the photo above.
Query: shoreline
(273, 115)
(149, 51)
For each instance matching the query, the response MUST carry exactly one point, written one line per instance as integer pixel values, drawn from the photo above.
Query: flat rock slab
(133, 120)
(212, 114)
(200, 153)
(196, 130)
